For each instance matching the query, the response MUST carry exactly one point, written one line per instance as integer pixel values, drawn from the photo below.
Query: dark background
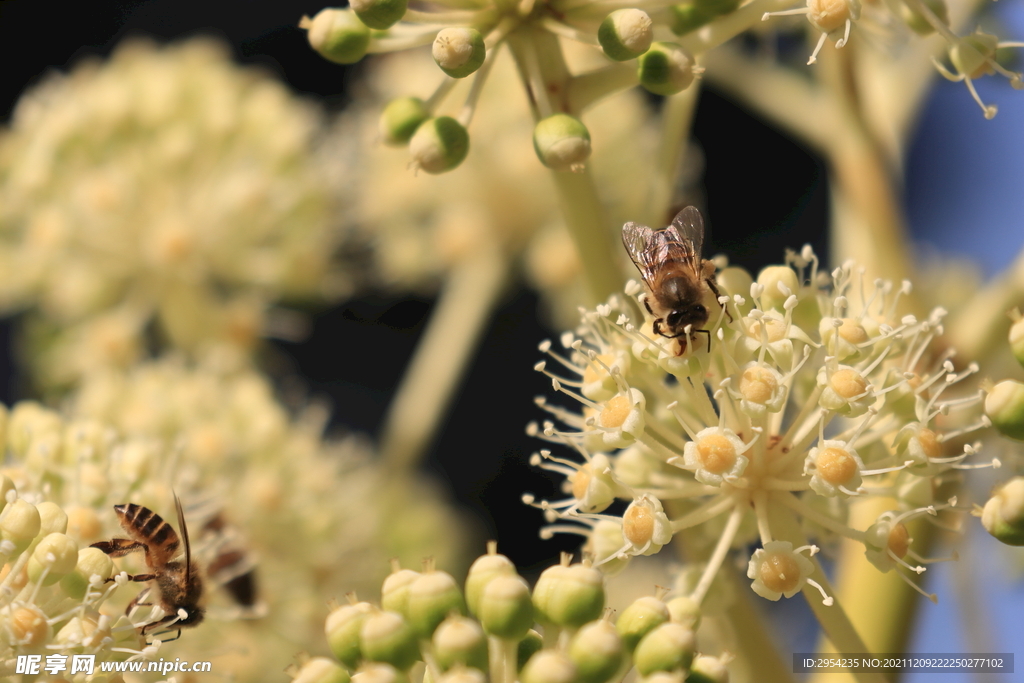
(764, 194)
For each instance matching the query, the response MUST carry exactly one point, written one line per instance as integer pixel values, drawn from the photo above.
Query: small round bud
(569, 596)
(916, 21)
(93, 565)
(971, 54)
(460, 640)
(685, 610)
(625, 34)
(549, 666)
(597, 652)
(1005, 407)
(338, 35)
(528, 646)
(342, 629)
(373, 672)
(379, 14)
(665, 69)
(52, 519)
(459, 51)
(640, 618)
(401, 118)
(562, 142)
(439, 144)
(21, 523)
(394, 593)
(666, 648)
(321, 670)
(707, 669)
(432, 597)
(506, 610)
(482, 571)
(1003, 515)
(688, 17)
(6, 485)
(1016, 340)
(386, 637)
(55, 556)
(778, 282)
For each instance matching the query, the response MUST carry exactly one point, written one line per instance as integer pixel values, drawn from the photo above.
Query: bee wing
(184, 535)
(641, 245)
(687, 231)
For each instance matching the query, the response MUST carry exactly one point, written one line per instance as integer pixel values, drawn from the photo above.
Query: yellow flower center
(580, 480)
(28, 627)
(615, 412)
(929, 443)
(717, 453)
(836, 465)
(899, 540)
(852, 331)
(780, 572)
(829, 15)
(848, 383)
(638, 525)
(758, 384)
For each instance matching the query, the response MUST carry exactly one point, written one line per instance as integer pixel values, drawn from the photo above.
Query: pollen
(836, 465)
(848, 383)
(717, 453)
(580, 480)
(757, 385)
(899, 540)
(852, 331)
(779, 572)
(615, 412)
(638, 525)
(929, 443)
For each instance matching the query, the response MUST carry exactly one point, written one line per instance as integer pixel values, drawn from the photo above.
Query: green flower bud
(667, 648)
(55, 556)
(379, 673)
(463, 675)
(1016, 340)
(483, 569)
(432, 597)
(707, 669)
(528, 647)
(342, 629)
(917, 23)
(439, 145)
(20, 524)
(386, 637)
(321, 670)
(401, 118)
(562, 142)
(52, 519)
(685, 610)
(1005, 407)
(506, 610)
(625, 34)
(1003, 515)
(687, 18)
(379, 14)
(971, 53)
(597, 651)
(460, 640)
(569, 596)
(549, 666)
(394, 593)
(771, 278)
(338, 35)
(640, 618)
(459, 51)
(91, 562)
(6, 486)
(665, 69)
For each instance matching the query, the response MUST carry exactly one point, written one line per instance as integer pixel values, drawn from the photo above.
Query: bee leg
(141, 577)
(118, 547)
(714, 288)
(647, 305)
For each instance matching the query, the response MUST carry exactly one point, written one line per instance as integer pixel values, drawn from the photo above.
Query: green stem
(730, 25)
(441, 356)
(676, 122)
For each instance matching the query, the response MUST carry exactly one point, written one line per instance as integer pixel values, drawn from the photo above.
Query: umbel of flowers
(495, 628)
(813, 391)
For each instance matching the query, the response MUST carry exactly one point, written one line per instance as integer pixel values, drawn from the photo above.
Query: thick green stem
(441, 357)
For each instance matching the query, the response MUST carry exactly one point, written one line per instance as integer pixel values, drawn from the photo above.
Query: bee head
(193, 615)
(679, 318)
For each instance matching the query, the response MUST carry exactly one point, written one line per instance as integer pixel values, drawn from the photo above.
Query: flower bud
(771, 278)
(917, 23)
(665, 69)
(338, 35)
(379, 14)
(386, 637)
(688, 17)
(20, 524)
(52, 519)
(460, 640)
(55, 556)
(394, 593)
(342, 629)
(1016, 340)
(432, 597)
(597, 652)
(549, 666)
(506, 610)
(1005, 407)
(459, 51)
(625, 34)
(562, 142)
(482, 571)
(707, 669)
(92, 562)
(373, 672)
(666, 648)
(401, 118)
(685, 610)
(321, 670)
(640, 618)
(569, 596)
(971, 53)
(1003, 515)
(528, 646)
(439, 144)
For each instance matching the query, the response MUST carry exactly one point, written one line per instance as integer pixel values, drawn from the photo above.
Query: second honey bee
(679, 282)
(178, 580)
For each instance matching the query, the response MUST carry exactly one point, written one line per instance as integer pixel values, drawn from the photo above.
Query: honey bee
(678, 280)
(178, 581)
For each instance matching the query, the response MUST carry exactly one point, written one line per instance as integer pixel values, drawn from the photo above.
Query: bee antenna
(184, 536)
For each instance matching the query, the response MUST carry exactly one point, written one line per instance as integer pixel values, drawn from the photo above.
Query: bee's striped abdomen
(146, 526)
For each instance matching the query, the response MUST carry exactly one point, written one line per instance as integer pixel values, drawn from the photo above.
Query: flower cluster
(812, 391)
(166, 186)
(561, 632)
